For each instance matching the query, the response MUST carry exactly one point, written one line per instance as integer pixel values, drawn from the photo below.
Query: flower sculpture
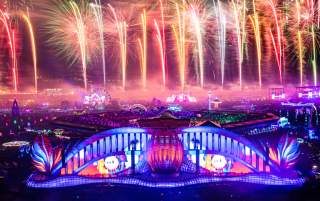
(287, 152)
(44, 157)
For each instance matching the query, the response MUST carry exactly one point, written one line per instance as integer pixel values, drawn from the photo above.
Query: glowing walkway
(180, 181)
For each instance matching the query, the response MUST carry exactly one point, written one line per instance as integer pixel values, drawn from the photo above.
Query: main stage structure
(164, 158)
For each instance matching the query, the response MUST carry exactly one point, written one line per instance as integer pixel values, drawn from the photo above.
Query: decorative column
(133, 149)
(197, 148)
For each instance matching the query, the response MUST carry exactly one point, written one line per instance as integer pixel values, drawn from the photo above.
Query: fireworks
(161, 50)
(221, 18)
(4, 18)
(197, 26)
(256, 28)
(81, 35)
(277, 44)
(33, 50)
(180, 38)
(300, 46)
(239, 12)
(122, 34)
(304, 23)
(246, 41)
(143, 49)
(163, 39)
(97, 10)
(72, 32)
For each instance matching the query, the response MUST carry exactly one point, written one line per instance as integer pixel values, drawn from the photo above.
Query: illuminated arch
(211, 140)
(102, 145)
(214, 140)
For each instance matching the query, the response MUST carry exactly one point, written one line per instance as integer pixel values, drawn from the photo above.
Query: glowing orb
(219, 162)
(111, 163)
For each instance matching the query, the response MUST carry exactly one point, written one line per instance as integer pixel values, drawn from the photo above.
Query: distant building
(15, 117)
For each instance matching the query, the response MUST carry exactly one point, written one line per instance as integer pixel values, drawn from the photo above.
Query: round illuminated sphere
(111, 163)
(219, 162)
(165, 154)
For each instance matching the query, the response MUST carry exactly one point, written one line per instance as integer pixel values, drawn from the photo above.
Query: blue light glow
(263, 179)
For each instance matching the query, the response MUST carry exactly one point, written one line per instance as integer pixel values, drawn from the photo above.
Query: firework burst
(71, 25)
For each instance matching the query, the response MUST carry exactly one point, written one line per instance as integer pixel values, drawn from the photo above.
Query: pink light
(179, 98)
(11, 37)
(161, 50)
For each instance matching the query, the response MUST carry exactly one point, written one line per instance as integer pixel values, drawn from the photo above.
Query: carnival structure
(164, 158)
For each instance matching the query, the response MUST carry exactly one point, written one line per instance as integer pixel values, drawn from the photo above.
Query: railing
(224, 142)
(99, 146)
(208, 139)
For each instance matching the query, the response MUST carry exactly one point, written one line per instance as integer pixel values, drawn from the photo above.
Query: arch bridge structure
(121, 141)
(210, 140)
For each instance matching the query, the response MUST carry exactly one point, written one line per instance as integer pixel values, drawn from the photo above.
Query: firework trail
(314, 62)
(300, 45)
(15, 65)
(81, 34)
(4, 17)
(33, 49)
(306, 23)
(180, 37)
(243, 30)
(143, 49)
(69, 25)
(256, 28)
(122, 34)
(161, 38)
(97, 10)
(222, 37)
(277, 44)
(161, 50)
(197, 25)
(240, 19)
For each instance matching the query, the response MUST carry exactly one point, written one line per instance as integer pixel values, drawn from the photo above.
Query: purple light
(309, 92)
(180, 98)
(106, 146)
(44, 156)
(263, 179)
(288, 151)
(278, 97)
(94, 99)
